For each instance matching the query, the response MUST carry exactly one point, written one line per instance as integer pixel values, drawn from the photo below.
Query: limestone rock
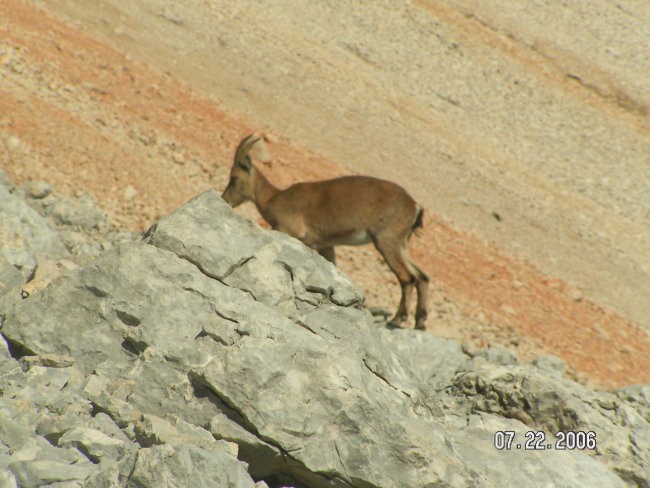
(25, 237)
(556, 405)
(79, 212)
(153, 358)
(37, 189)
(206, 233)
(11, 282)
(40, 472)
(552, 365)
(498, 355)
(187, 466)
(94, 444)
(45, 272)
(151, 430)
(638, 396)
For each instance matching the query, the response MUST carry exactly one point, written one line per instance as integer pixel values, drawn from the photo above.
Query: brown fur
(351, 210)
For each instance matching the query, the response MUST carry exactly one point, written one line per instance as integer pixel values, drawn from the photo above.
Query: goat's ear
(245, 163)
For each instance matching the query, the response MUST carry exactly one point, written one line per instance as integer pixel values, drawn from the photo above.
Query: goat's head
(240, 187)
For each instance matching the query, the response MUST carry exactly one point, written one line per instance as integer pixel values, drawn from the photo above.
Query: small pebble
(130, 192)
(178, 158)
(12, 143)
(39, 189)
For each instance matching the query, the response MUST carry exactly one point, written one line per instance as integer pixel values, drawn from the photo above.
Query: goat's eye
(233, 180)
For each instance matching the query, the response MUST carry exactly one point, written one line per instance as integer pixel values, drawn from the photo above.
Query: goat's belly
(354, 239)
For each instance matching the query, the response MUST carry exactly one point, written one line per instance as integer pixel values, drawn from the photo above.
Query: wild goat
(351, 210)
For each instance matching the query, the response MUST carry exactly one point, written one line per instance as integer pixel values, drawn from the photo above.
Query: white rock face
(213, 353)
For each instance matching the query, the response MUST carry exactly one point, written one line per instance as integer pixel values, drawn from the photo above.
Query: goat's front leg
(328, 253)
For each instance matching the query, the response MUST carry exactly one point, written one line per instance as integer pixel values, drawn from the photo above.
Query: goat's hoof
(420, 319)
(396, 322)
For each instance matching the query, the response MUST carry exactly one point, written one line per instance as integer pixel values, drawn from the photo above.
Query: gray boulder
(188, 465)
(273, 268)
(11, 282)
(25, 236)
(44, 234)
(80, 223)
(638, 396)
(212, 332)
(561, 409)
(551, 365)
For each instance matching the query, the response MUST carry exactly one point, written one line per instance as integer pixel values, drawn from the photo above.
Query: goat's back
(347, 203)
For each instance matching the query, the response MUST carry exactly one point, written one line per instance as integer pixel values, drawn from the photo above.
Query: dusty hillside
(529, 150)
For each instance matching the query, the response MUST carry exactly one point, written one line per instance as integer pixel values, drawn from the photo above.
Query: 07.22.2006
(536, 441)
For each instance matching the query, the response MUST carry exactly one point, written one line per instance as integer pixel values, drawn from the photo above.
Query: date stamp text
(506, 440)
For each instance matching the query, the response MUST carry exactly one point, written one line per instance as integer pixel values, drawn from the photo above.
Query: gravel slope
(538, 113)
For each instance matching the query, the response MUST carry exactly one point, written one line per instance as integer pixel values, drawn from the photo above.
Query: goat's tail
(418, 223)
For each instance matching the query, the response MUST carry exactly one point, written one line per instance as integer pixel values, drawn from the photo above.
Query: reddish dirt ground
(86, 118)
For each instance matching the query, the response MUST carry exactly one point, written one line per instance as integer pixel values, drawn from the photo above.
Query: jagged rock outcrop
(556, 405)
(44, 234)
(213, 353)
(25, 236)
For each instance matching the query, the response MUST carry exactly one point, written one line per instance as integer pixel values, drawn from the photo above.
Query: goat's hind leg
(422, 286)
(391, 250)
(402, 310)
(421, 282)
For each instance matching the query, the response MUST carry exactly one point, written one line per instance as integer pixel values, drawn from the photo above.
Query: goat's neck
(264, 192)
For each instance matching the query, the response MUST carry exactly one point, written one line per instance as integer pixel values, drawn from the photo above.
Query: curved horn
(245, 145)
